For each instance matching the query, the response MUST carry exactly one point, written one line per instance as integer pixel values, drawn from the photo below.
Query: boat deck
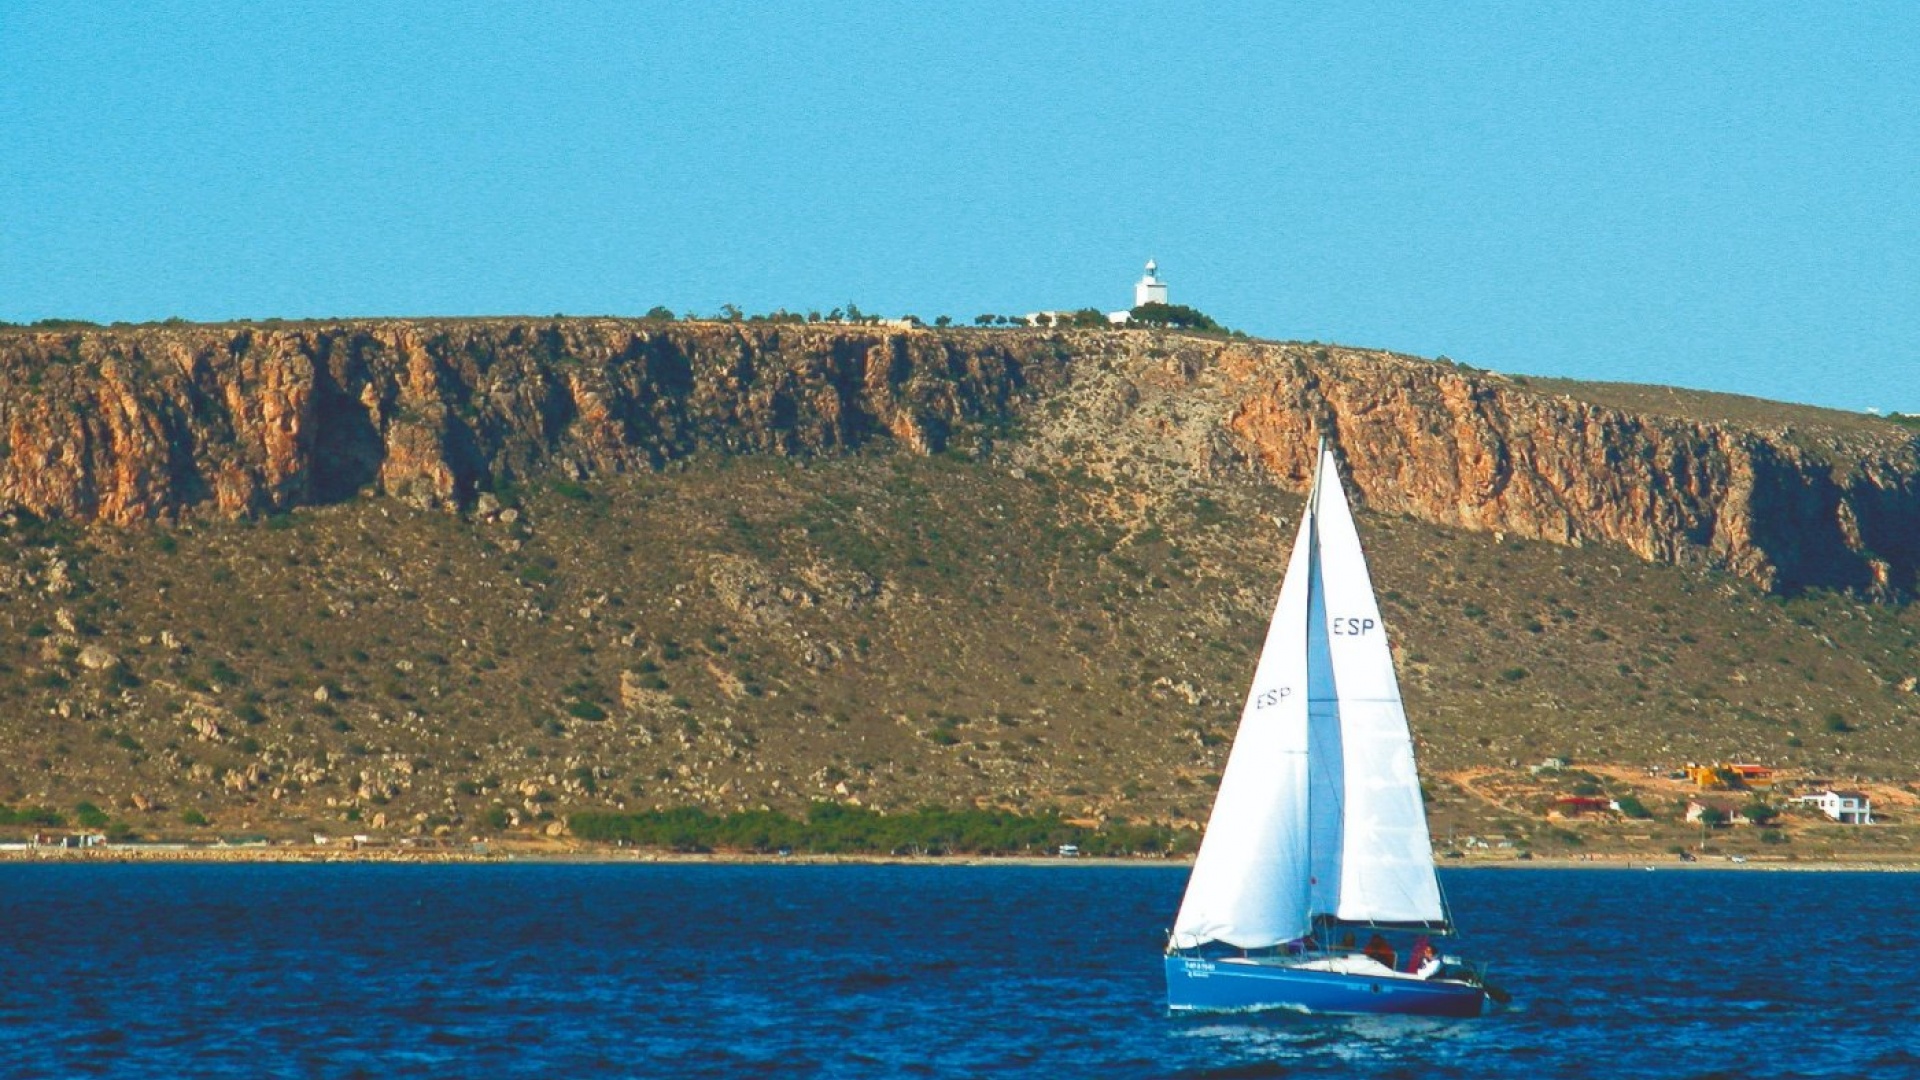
(1339, 964)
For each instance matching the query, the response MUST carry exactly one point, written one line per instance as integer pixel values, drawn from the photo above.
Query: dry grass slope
(889, 628)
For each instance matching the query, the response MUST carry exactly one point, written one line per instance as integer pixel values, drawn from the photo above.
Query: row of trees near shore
(834, 829)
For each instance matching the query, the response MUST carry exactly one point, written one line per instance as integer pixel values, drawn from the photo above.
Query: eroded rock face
(129, 425)
(1482, 453)
(154, 423)
(1837, 507)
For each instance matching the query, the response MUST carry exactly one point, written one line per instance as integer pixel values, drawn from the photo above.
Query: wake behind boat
(1314, 888)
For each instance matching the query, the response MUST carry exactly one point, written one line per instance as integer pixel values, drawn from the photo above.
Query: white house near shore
(1845, 807)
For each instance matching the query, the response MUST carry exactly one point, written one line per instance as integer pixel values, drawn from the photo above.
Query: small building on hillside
(1711, 777)
(1577, 805)
(1845, 807)
(1725, 812)
(1729, 777)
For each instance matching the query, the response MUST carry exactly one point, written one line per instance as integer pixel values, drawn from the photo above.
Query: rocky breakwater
(153, 423)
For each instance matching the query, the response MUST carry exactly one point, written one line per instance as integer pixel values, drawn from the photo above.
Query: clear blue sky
(1719, 196)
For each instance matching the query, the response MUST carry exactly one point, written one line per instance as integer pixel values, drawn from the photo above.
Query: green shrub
(31, 815)
(586, 710)
(1178, 316)
(1633, 807)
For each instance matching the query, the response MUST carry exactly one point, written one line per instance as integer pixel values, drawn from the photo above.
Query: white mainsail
(1319, 809)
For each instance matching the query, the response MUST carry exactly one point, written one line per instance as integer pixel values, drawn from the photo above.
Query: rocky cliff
(159, 423)
(1834, 507)
(155, 423)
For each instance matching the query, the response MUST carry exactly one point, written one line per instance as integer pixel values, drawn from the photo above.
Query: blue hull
(1196, 984)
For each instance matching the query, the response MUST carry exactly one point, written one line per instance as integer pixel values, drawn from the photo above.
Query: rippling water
(631, 970)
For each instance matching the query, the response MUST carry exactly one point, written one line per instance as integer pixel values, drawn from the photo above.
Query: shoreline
(495, 855)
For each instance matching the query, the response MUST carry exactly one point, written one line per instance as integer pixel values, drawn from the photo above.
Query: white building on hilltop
(1148, 290)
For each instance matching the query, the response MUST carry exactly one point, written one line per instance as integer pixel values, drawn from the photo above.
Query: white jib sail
(1386, 859)
(1249, 885)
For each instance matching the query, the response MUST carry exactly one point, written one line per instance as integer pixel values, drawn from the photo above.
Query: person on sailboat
(1378, 949)
(1424, 960)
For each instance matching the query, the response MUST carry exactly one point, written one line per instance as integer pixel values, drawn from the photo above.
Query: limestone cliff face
(125, 426)
(128, 425)
(1839, 510)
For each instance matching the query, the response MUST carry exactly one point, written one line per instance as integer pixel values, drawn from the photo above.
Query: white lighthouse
(1150, 289)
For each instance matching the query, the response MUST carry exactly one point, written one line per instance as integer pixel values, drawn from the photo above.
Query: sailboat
(1318, 838)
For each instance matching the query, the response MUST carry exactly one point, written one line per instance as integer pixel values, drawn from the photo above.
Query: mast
(1326, 746)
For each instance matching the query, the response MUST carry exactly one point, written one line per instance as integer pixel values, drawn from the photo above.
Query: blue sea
(624, 970)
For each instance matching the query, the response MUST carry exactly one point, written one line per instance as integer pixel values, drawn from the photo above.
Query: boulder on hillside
(95, 658)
